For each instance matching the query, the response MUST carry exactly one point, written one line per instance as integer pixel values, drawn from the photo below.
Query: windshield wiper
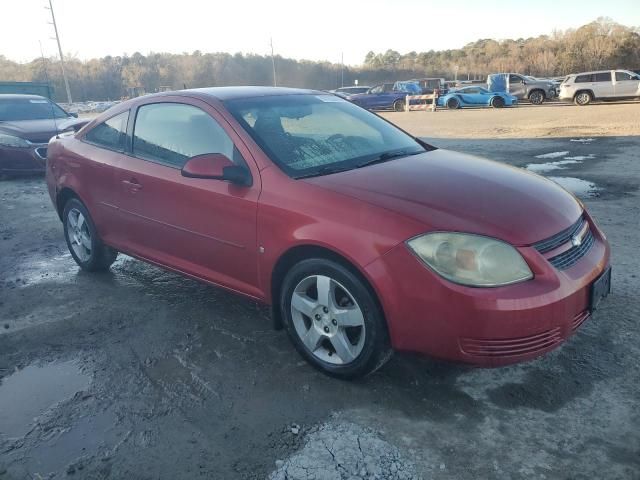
(326, 170)
(383, 157)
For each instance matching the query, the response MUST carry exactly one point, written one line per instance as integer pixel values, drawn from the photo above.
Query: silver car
(583, 88)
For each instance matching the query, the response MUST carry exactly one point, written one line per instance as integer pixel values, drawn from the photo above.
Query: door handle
(132, 184)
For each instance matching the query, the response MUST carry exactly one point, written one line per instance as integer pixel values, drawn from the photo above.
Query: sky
(318, 30)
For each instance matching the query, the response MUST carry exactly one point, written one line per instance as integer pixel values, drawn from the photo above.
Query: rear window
(583, 78)
(14, 109)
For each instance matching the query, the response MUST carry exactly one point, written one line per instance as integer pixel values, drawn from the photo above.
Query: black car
(27, 122)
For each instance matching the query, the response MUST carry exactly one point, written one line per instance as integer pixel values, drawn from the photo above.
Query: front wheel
(536, 97)
(399, 106)
(333, 319)
(82, 238)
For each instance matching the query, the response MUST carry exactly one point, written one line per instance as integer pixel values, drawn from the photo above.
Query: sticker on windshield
(38, 101)
(329, 98)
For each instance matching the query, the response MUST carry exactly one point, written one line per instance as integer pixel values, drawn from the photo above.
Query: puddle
(582, 140)
(552, 155)
(546, 167)
(32, 391)
(577, 186)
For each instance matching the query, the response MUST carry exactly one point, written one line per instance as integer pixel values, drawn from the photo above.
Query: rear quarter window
(583, 78)
(109, 134)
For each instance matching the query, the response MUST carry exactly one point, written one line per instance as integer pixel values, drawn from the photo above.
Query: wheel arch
(301, 252)
(537, 89)
(62, 197)
(582, 90)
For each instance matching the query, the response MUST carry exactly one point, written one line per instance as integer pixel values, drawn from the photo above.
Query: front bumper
(485, 326)
(23, 161)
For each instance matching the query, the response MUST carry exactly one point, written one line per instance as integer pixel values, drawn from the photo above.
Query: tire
(583, 98)
(341, 333)
(453, 103)
(537, 97)
(399, 106)
(82, 238)
(497, 102)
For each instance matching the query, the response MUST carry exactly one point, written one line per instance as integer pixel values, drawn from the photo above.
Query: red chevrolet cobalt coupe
(362, 238)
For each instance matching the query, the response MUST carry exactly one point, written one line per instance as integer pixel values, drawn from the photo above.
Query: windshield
(308, 135)
(16, 109)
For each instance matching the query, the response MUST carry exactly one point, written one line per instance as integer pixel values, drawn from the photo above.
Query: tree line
(600, 44)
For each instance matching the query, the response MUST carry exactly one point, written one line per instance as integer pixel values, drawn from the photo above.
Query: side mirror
(216, 166)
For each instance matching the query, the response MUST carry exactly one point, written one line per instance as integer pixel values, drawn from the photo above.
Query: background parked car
(522, 86)
(381, 97)
(583, 88)
(27, 122)
(475, 96)
(344, 92)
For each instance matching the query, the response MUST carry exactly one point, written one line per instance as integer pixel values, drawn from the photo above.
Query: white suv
(582, 88)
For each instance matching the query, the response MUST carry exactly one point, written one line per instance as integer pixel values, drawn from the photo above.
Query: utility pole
(64, 75)
(273, 64)
(342, 69)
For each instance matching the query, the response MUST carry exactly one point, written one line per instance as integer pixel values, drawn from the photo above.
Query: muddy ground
(142, 374)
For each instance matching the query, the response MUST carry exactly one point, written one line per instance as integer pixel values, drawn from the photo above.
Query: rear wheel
(453, 103)
(583, 98)
(399, 105)
(536, 97)
(82, 238)
(497, 102)
(333, 319)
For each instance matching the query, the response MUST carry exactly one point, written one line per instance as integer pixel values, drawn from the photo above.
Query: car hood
(446, 190)
(40, 131)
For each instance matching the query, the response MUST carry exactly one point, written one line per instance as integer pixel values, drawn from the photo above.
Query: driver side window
(515, 79)
(171, 133)
(377, 89)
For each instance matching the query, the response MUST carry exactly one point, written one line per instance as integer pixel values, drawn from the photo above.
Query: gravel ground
(142, 374)
(554, 119)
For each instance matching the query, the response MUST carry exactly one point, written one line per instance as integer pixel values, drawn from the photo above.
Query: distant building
(27, 88)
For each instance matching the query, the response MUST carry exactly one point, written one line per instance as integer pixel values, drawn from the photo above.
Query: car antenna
(46, 76)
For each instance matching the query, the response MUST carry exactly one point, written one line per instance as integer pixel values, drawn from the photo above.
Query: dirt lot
(554, 119)
(143, 374)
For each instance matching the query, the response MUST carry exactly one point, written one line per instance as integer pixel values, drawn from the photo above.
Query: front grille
(571, 256)
(513, 346)
(561, 238)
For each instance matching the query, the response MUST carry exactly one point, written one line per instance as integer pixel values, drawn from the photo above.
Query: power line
(64, 75)
(273, 63)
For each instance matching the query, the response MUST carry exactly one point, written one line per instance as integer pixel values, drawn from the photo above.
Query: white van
(583, 88)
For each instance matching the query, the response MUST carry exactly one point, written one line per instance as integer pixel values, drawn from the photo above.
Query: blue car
(381, 97)
(476, 97)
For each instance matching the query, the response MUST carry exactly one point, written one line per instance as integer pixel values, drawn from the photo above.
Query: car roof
(602, 71)
(21, 96)
(234, 93)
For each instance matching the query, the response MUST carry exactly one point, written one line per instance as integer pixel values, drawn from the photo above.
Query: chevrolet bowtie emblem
(576, 240)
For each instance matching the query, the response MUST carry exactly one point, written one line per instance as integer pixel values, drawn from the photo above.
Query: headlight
(471, 259)
(11, 141)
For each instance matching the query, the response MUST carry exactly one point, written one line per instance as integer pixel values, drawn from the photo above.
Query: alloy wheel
(79, 234)
(328, 320)
(583, 98)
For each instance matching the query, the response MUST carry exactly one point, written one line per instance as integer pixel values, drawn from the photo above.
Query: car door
(102, 148)
(517, 86)
(626, 84)
(375, 97)
(602, 85)
(202, 227)
(470, 95)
